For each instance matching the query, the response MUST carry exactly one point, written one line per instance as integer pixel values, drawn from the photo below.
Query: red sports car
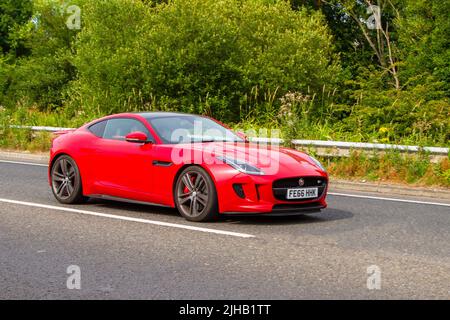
(190, 162)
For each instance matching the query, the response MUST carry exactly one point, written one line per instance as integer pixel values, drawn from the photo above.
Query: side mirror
(242, 135)
(137, 137)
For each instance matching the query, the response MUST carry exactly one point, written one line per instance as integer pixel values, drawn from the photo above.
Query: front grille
(279, 187)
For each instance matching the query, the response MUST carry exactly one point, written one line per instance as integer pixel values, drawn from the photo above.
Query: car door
(124, 169)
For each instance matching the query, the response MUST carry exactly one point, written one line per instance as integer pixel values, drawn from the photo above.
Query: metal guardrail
(355, 145)
(37, 128)
(370, 146)
(308, 143)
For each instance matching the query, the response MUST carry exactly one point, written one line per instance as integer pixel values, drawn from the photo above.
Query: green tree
(13, 13)
(41, 78)
(425, 42)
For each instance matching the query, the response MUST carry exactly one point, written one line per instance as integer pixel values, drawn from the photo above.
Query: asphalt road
(127, 251)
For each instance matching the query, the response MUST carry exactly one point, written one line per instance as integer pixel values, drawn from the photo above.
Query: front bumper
(276, 212)
(262, 198)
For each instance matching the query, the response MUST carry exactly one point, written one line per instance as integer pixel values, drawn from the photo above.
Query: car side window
(98, 128)
(117, 129)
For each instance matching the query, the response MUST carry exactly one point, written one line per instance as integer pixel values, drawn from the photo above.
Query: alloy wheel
(193, 194)
(63, 178)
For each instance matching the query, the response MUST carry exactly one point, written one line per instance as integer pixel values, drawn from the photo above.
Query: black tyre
(195, 195)
(66, 181)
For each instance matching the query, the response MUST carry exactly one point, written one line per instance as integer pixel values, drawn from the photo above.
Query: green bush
(198, 55)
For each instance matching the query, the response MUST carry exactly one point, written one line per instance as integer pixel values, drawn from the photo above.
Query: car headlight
(317, 163)
(241, 166)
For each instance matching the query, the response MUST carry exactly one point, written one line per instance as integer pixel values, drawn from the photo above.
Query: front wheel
(195, 195)
(66, 181)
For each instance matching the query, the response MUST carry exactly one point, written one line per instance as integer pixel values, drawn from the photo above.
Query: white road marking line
(111, 216)
(25, 163)
(389, 199)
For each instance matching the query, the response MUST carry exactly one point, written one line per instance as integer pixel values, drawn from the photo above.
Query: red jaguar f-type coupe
(190, 162)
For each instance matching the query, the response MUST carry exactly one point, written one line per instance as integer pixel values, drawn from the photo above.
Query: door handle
(161, 163)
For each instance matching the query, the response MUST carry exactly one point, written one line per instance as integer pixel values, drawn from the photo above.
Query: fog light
(239, 190)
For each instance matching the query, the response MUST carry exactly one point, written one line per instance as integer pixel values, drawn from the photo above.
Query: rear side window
(117, 129)
(98, 128)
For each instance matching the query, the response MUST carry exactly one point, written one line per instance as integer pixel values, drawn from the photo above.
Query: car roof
(147, 115)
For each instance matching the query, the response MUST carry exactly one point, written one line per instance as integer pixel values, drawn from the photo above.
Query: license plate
(302, 193)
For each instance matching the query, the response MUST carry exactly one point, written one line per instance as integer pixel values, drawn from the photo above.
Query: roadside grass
(264, 117)
(391, 166)
(25, 140)
(302, 128)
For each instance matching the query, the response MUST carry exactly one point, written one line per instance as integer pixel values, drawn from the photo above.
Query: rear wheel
(195, 195)
(66, 181)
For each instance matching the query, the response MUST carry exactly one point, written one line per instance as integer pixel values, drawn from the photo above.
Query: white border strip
(117, 217)
(388, 199)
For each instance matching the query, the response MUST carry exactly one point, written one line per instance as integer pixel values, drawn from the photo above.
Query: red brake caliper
(185, 189)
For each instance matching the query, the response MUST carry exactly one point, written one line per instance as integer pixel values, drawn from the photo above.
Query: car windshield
(175, 129)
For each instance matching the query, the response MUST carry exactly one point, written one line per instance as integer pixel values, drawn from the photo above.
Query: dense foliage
(315, 69)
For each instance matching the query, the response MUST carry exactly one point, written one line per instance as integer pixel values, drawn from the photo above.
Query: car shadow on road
(325, 215)
(133, 207)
